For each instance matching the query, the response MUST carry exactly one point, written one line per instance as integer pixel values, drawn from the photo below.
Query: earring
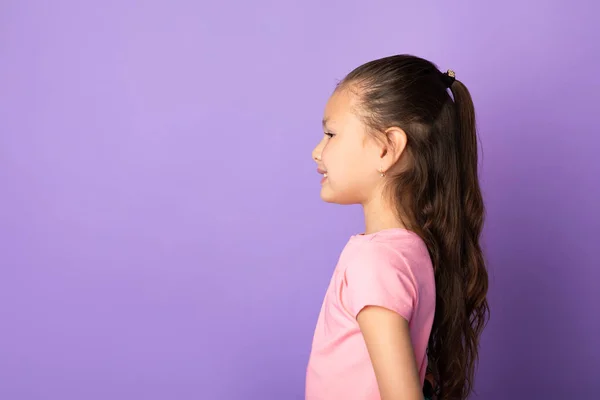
(381, 172)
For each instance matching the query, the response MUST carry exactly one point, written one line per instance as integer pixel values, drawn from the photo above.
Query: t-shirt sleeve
(379, 276)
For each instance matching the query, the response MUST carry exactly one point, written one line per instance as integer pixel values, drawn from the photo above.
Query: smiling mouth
(322, 172)
(324, 179)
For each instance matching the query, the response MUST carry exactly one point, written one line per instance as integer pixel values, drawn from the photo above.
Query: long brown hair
(437, 195)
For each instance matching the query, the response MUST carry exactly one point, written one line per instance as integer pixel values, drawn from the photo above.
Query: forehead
(341, 108)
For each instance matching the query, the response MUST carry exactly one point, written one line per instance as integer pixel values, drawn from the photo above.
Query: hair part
(437, 195)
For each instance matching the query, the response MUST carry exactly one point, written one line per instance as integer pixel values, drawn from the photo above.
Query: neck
(380, 215)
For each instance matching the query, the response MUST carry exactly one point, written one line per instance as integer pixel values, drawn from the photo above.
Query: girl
(408, 296)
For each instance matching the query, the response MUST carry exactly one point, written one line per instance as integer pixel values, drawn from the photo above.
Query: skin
(352, 162)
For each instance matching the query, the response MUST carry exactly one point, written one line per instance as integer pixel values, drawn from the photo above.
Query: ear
(396, 139)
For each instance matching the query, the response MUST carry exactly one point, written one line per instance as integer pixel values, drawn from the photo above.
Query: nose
(317, 152)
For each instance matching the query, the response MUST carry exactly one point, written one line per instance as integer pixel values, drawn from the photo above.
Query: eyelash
(330, 134)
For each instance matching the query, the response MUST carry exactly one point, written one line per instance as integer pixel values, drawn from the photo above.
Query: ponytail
(461, 276)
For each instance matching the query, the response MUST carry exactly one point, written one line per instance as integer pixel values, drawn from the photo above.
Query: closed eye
(330, 134)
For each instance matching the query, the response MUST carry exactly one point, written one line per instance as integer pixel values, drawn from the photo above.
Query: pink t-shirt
(390, 268)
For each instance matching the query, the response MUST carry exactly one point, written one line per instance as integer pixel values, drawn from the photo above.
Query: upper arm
(379, 277)
(387, 338)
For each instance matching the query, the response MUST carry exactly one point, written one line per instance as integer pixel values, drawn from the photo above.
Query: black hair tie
(449, 77)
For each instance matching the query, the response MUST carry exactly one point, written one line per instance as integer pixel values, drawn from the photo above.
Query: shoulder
(378, 271)
(400, 252)
(377, 263)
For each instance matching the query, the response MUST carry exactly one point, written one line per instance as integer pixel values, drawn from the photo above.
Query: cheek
(352, 172)
(337, 151)
(345, 161)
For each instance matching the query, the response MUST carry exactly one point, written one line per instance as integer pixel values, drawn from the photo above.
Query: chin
(327, 196)
(330, 197)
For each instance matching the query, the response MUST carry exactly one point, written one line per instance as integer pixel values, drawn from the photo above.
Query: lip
(321, 171)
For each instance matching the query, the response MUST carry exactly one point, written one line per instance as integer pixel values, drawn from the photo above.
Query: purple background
(161, 232)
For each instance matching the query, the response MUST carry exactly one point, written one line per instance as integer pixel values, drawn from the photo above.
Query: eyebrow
(325, 122)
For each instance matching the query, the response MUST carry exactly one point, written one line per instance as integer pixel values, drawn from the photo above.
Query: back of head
(437, 195)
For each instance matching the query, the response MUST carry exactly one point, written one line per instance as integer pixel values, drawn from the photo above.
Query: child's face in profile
(346, 156)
